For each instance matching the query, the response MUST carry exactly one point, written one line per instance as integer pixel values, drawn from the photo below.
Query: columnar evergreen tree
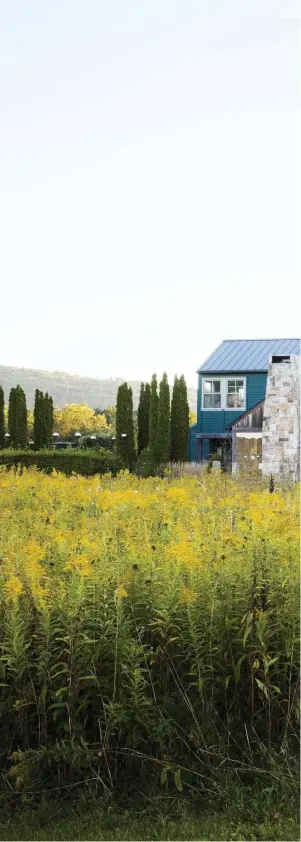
(125, 439)
(174, 419)
(37, 419)
(44, 412)
(17, 418)
(22, 418)
(12, 416)
(153, 414)
(162, 443)
(147, 396)
(43, 420)
(143, 417)
(132, 456)
(2, 429)
(47, 421)
(179, 421)
(50, 421)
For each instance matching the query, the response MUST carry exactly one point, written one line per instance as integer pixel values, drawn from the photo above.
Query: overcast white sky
(150, 184)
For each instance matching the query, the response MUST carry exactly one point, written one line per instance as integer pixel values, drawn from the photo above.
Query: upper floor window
(235, 394)
(224, 393)
(212, 394)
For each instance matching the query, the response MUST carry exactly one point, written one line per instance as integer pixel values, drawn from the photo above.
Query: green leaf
(237, 669)
(60, 672)
(273, 661)
(178, 782)
(246, 634)
(262, 687)
(61, 690)
(164, 776)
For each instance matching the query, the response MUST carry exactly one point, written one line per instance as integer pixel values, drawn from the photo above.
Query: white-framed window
(212, 395)
(224, 393)
(236, 396)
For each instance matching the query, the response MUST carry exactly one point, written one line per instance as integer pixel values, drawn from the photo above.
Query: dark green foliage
(37, 419)
(179, 421)
(147, 394)
(67, 461)
(12, 416)
(141, 420)
(43, 420)
(125, 439)
(153, 413)
(102, 440)
(2, 429)
(22, 413)
(162, 442)
(17, 418)
(48, 420)
(51, 418)
(143, 417)
(145, 464)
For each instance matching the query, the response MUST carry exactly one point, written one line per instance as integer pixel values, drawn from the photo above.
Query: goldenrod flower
(120, 592)
(187, 595)
(13, 587)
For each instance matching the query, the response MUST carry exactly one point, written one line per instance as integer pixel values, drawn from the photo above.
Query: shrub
(101, 441)
(145, 464)
(67, 461)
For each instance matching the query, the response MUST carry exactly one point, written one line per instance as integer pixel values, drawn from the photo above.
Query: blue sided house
(230, 382)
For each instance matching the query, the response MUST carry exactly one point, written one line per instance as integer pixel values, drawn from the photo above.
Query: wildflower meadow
(149, 633)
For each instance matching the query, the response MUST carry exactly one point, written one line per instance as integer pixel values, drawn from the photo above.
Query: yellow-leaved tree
(78, 417)
(30, 422)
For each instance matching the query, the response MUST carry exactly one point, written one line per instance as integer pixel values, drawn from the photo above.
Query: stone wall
(281, 421)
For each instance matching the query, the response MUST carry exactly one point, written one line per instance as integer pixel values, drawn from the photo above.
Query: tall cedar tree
(12, 416)
(125, 440)
(50, 421)
(2, 430)
(179, 421)
(143, 417)
(162, 443)
(37, 419)
(174, 415)
(153, 414)
(43, 420)
(147, 397)
(17, 418)
(47, 420)
(22, 418)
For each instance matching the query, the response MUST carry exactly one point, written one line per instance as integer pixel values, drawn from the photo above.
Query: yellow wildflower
(13, 587)
(120, 592)
(186, 595)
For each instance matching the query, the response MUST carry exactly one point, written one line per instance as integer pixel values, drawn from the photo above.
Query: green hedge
(77, 461)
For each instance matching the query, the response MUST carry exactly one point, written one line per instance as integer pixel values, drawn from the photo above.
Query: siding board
(216, 422)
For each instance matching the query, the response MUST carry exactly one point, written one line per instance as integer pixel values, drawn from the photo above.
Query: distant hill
(70, 388)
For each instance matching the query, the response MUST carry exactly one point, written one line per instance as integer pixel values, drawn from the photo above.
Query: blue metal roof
(248, 354)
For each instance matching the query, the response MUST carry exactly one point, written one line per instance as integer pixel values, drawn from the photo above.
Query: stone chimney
(281, 419)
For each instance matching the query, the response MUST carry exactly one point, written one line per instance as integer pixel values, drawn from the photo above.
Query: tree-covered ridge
(71, 388)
